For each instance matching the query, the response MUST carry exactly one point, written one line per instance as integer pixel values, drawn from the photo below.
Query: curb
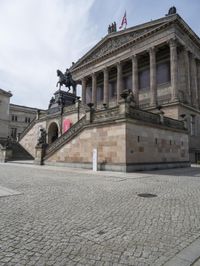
(187, 256)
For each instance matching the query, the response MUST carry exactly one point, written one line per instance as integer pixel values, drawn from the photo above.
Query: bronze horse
(66, 79)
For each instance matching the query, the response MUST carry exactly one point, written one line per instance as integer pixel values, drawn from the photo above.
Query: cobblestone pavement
(73, 217)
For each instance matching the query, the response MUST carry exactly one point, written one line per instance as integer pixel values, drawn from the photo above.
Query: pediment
(114, 41)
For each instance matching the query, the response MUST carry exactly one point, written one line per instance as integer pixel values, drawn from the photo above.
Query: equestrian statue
(67, 80)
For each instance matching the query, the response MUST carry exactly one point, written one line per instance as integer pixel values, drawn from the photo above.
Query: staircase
(19, 153)
(66, 137)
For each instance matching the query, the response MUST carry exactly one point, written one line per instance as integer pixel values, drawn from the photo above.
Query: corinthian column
(153, 83)
(194, 81)
(135, 87)
(83, 82)
(94, 89)
(105, 86)
(119, 80)
(174, 69)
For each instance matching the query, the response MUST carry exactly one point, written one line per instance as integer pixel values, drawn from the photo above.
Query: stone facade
(20, 117)
(125, 146)
(4, 113)
(159, 61)
(126, 138)
(131, 131)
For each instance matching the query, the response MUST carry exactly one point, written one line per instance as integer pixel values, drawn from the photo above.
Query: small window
(138, 138)
(14, 118)
(156, 140)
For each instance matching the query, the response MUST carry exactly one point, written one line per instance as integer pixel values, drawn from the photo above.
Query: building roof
(21, 107)
(116, 41)
(6, 93)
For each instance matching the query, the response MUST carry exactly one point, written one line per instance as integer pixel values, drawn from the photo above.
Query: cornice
(122, 47)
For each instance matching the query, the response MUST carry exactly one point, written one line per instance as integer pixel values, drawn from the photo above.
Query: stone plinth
(39, 153)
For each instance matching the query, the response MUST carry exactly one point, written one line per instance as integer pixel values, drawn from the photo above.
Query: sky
(37, 37)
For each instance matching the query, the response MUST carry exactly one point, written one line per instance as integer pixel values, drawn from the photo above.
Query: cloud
(37, 37)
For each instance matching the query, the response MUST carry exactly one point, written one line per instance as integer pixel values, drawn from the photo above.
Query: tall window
(163, 73)
(99, 93)
(144, 79)
(127, 83)
(88, 95)
(112, 89)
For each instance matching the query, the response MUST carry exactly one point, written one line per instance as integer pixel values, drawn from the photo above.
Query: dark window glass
(112, 89)
(144, 79)
(163, 73)
(99, 93)
(88, 95)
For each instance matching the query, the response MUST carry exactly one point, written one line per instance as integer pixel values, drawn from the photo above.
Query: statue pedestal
(61, 99)
(39, 153)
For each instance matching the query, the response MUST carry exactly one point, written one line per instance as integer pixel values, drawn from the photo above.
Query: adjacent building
(4, 113)
(20, 117)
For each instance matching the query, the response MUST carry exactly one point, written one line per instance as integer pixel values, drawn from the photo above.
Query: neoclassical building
(4, 114)
(140, 91)
(158, 60)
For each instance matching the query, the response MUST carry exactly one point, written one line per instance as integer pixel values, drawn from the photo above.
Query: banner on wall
(66, 124)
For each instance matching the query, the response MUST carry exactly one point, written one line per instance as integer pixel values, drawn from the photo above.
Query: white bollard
(95, 160)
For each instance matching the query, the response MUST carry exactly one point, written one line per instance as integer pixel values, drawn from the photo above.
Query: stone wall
(29, 141)
(108, 139)
(121, 144)
(147, 144)
(4, 114)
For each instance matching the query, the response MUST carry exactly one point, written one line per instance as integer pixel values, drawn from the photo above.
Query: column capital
(105, 69)
(152, 49)
(83, 79)
(94, 75)
(134, 57)
(173, 42)
(119, 64)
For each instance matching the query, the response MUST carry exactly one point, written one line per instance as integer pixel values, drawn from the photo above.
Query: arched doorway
(52, 133)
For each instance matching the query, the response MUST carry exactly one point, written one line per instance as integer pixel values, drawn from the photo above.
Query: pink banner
(66, 124)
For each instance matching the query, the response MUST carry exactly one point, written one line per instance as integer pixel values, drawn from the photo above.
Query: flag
(124, 21)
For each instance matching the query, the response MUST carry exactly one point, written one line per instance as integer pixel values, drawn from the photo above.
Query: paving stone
(72, 217)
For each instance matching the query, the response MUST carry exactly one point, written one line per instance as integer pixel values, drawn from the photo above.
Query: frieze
(112, 45)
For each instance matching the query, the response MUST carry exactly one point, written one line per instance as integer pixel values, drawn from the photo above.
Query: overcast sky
(37, 37)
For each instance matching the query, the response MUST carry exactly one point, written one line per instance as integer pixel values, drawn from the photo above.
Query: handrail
(29, 126)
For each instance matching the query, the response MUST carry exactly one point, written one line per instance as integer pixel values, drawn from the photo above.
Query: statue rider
(68, 75)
